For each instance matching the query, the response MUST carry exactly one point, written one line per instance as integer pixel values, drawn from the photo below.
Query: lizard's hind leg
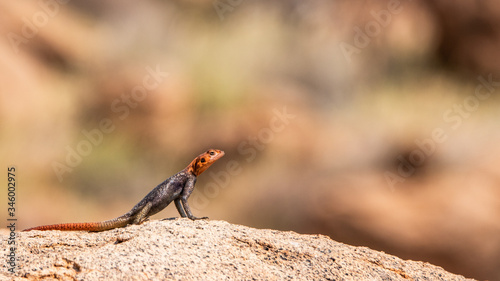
(142, 215)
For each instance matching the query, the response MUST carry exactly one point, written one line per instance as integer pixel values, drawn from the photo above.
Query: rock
(181, 249)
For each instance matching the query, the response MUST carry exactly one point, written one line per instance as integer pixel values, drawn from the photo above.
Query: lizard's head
(204, 160)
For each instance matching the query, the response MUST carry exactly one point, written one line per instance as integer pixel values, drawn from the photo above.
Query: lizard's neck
(192, 168)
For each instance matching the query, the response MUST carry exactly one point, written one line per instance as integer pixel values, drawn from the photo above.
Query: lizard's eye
(202, 160)
(212, 153)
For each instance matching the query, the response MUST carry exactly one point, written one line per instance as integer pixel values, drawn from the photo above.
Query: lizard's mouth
(218, 155)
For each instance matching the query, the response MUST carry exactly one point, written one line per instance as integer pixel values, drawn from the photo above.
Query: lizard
(176, 188)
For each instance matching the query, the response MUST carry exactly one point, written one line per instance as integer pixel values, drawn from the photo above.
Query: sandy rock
(181, 249)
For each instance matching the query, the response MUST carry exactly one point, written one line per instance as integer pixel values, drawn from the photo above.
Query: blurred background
(372, 122)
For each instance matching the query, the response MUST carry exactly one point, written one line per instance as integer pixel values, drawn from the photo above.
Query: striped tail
(85, 226)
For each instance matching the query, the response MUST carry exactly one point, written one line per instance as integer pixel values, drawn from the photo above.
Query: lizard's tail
(85, 226)
(88, 226)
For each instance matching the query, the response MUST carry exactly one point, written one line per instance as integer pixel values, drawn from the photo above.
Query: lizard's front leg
(187, 190)
(179, 207)
(188, 210)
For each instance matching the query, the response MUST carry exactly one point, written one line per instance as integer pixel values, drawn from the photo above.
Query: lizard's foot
(196, 218)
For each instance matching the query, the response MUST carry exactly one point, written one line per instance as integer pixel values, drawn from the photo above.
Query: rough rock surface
(181, 249)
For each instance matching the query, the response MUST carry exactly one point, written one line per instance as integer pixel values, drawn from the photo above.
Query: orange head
(204, 160)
